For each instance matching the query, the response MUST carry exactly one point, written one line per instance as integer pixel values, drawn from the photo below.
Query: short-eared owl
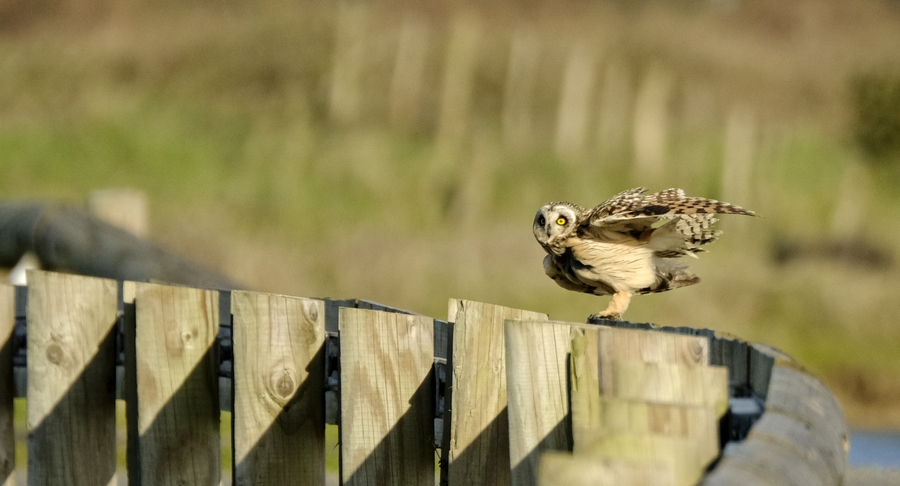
(627, 245)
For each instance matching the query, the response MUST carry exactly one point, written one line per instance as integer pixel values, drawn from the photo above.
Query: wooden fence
(503, 396)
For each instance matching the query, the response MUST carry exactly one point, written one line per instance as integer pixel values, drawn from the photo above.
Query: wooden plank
(71, 379)
(653, 347)
(479, 429)
(669, 383)
(698, 423)
(683, 456)
(560, 469)
(537, 384)
(279, 381)
(7, 385)
(387, 413)
(584, 385)
(177, 385)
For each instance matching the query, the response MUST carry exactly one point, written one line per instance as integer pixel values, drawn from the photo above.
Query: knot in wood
(55, 354)
(284, 384)
(311, 311)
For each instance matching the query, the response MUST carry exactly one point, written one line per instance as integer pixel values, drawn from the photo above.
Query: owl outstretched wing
(634, 204)
(688, 220)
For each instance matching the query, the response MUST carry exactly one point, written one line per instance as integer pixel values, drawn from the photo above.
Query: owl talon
(606, 316)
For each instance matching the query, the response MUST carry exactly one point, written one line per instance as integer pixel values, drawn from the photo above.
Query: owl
(627, 245)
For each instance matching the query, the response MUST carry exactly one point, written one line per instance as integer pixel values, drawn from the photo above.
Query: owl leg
(617, 306)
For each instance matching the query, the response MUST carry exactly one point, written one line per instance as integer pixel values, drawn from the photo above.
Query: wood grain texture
(537, 388)
(584, 385)
(560, 469)
(669, 383)
(697, 423)
(802, 438)
(801, 396)
(650, 347)
(479, 428)
(684, 456)
(7, 385)
(71, 379)
(387, 413)
(177, 385)
(279, 371)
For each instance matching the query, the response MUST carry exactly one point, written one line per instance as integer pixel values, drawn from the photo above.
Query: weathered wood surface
(478, 448)
(66, 239)
(802, 438)
(7, 385)
(387, 434)
(669, 383)
(177, 385)
(537, 388)
(71, 379)
(557, 469)
(686, 458)
(675, 420)
(279, 372)
(660, 402)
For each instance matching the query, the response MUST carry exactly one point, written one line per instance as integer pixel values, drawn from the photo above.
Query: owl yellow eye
(561, 221)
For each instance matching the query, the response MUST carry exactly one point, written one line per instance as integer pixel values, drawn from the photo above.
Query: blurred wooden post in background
(387, 413)
(345, 96)
(177, 389)
(71, 379)
(7, 385)
(616, 103)
(279, 379)
(574, 103)
(459, 80)
(124, 208)
(519, 91)
(737, 161)
(408, 79)
(651, 123)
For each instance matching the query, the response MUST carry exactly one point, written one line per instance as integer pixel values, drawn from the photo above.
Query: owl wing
(633, 204)
(633, 214)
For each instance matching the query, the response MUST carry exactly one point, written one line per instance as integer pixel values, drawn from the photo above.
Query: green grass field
(224, 116)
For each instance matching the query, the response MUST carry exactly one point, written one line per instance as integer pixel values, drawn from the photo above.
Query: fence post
(537, 357)
(387, 412)
(279, 373)
(479, 428)
(7, 386)
(71, 379)
(177, 385)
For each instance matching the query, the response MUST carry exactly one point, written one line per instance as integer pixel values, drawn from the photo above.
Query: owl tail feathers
(671, 276)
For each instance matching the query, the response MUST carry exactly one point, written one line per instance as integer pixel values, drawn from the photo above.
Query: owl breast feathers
(628, 244)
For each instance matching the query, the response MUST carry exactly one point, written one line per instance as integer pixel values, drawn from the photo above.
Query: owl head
(553, 224)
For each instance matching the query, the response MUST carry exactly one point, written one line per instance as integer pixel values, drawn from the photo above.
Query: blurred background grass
(397, 151)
